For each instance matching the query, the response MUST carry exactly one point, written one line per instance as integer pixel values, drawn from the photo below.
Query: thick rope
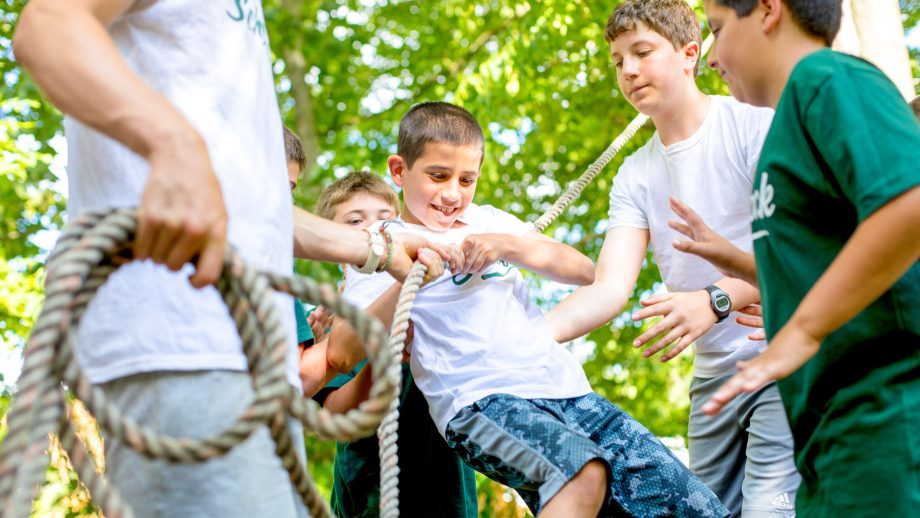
(90, 250)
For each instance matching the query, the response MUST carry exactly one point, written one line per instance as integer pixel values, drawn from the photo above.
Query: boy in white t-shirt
(704, 152)
(509, 399)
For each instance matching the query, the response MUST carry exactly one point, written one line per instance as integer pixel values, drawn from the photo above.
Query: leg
(717, 445)
(248, 481)
(581, 496)
(528, 448)
(647, 480)
(770, 477)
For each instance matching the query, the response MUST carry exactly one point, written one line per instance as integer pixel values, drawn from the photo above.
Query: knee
(591, 482)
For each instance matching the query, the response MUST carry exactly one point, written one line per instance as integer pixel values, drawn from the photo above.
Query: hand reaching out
(686, 317)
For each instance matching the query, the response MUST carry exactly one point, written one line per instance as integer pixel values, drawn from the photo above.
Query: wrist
(719, 302)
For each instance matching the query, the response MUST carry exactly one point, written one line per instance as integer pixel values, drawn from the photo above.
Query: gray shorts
(744, 454)
(247, 481)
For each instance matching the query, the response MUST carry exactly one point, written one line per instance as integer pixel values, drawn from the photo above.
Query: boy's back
(478, 334)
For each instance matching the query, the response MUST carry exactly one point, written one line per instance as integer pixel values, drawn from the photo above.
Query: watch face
(723, 303)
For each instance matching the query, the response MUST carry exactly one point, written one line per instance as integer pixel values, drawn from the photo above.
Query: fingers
(210, 262)
(433, 261)
(655, 299)
(750, 377)
(655, 309)
(754, 310)
(686, 213)
(186, 245)
(750, 321)
(673, 336)
(680, 227)
(758, 335)
(661, 327)
(679, 347)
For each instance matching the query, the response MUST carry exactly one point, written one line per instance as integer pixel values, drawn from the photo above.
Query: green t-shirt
(433, 480)
(842, 144)
(304, 333)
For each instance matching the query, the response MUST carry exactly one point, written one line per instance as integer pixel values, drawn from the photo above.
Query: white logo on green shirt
(762, 205)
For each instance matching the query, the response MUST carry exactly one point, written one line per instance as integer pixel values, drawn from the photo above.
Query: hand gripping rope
(95, 245)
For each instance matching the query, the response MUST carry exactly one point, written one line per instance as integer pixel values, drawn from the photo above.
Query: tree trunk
(872, 29)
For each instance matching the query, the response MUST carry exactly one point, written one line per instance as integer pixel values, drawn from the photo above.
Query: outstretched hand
(182, 215)
(686, 317)
(706, 243)
(753, 318)
(788, 351)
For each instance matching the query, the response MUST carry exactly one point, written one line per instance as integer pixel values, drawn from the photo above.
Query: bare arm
(533, 251)
(706, 243)
(879, 252)
(593, 306)
(324, 240)
(344, 351)
(351, 394)
(68, 52)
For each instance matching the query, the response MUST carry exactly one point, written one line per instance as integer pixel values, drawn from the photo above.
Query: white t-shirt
(712, 172)
(480, 334)
(212, 61)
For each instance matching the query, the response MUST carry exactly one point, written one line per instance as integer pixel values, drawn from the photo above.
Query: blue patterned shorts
(537, 445)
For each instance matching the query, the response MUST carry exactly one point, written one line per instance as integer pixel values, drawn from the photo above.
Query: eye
(618, 64)
(643, 53)
(354, 221)
(437, 176)
(467, 181)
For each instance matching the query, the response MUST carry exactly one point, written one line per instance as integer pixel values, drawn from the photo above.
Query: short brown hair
(293, 149)
(353, 183)
(436, 122)
(915, 105)
(672, 19)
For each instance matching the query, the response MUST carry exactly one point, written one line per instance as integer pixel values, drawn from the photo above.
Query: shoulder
(830, 69)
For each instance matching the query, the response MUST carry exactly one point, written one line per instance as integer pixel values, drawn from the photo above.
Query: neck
(792, 50)
(685, 117)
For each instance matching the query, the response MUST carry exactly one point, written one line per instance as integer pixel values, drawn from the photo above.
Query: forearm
(324, 240)
(70, 55)
(344, 350)
(585, 310)
(550, 259)
(879, 252)
(315, 372)
(350, 395)
(741, 292)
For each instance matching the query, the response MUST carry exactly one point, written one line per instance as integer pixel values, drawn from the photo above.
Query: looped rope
(89, 250)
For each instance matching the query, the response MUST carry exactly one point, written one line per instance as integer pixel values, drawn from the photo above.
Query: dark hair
(820, 18)
(672, 19)
(293, 149)
(355, 182)
(915, 105)
(436, 122)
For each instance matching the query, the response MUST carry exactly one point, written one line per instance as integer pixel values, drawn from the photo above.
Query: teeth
(447, 211)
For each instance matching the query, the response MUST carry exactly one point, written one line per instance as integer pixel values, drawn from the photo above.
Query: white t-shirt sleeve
(627, 198)
(755, 129)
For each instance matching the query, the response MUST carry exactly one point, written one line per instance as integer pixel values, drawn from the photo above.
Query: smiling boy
(508, 398)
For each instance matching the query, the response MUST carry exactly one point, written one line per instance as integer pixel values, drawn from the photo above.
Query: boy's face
(362, 210)
(734, 53)
(293, 171)
(649, 68)
(439, 186)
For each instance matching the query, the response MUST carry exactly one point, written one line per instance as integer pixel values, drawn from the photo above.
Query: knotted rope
(91, 249)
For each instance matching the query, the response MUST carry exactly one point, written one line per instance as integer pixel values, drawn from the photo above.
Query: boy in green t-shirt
(433, 479)
(836, 212)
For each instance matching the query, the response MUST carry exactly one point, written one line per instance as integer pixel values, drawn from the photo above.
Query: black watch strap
(720, 302)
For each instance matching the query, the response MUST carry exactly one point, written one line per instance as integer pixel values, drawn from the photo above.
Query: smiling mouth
(447, 211)
(636, 89)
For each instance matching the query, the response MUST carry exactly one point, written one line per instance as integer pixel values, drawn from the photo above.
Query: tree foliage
(537, 76)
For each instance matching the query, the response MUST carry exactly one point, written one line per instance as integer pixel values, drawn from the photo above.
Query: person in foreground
(836, 208)
(508, 398)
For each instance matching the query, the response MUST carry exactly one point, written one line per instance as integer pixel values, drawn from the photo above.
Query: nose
(630, 67)
(450, 194)
(712, 59)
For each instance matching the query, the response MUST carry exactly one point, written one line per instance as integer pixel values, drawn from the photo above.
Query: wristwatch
(375, 252)
(719, 301)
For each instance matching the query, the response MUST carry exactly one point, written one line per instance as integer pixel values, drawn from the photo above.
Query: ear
(691, 52)
(397, 167)
(770, 15)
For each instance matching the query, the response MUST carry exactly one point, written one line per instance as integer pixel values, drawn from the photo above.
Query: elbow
(341, 359)
(36, 21)
(585, 275)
